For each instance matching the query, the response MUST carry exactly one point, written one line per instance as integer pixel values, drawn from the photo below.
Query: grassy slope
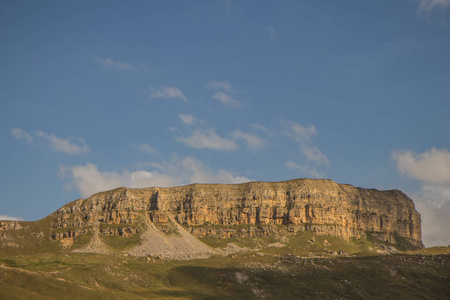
(28, 239)
(41, 269)
(298, 270)
(87, 276)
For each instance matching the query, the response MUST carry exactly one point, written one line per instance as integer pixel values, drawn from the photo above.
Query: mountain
(173, 222)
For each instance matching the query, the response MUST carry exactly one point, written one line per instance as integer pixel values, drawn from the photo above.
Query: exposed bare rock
(179, 245)
(277, 245)
(95, 245)
(174, 217)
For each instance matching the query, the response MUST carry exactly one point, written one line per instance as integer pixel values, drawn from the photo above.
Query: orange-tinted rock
(320, 206)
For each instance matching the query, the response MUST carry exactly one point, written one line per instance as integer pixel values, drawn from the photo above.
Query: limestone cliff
(249, 209)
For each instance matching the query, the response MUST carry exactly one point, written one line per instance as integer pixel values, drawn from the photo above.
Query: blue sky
(100, 94)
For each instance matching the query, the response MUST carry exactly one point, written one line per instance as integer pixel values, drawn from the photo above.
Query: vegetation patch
(121, 243)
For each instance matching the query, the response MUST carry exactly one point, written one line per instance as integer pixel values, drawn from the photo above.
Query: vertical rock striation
(249, 209)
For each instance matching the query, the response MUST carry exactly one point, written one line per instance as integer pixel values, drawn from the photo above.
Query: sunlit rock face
(250, 209)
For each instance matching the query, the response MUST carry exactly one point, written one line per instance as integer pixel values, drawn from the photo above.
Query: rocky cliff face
(249, 209)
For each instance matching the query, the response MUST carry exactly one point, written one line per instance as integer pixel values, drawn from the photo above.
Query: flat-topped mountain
(178, 216)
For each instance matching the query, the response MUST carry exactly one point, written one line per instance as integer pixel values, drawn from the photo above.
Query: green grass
(297, 244)
(121, 243)
(274, 276)
(300, 270)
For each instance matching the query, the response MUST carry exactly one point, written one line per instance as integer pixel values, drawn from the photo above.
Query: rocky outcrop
(249, 209)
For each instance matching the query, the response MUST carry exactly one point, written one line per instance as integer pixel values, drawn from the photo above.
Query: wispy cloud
(224, 92)
(20, 134)
(226, 99)
(217, 85)
(208, 139)
(88, 179)
(71, 146)
(10, 218)
(427, 6)
(167, 92)
(253, 141)
(432, 169)
(146, 149)
(187, 119)
(302, 135)
(191, 120)
(262, 128)
(109, 63)
(303, 169)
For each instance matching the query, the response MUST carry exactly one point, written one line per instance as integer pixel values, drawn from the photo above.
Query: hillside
(296, 239)
(169, 221)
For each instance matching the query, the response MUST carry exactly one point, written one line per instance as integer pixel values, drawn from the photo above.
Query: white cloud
(426, 6)
(9, 218)
(303, 169)
(20, 134)
(314, 154)
(208, 139)
(69, 146)
(196, 172)
(147, 149)
(262, 128)
(108, 63)
(226, 99)
(187, 119)
(88, 180)
(302, 135)
(432, 166)
(167, 92)
(190, 120)
(252, 140)
(219, 85)
(433, 203)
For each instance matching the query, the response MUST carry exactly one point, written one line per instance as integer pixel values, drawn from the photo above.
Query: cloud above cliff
(190, 120)
(433, 203)
(302, 135)
(208, 139)
(202, 137)
(146, 149)
(20, 134)
(10, 218)
(253, 141)
(432, 166)
(70, 146)
(432, 169)
(219, 85)
(226, 99)
(88, 179)
(223, 92)
(427, 6)
(166, 92)
(109, 63)
(304, 169)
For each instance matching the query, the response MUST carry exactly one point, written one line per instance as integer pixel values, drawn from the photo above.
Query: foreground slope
(247, 276)
(299, 239)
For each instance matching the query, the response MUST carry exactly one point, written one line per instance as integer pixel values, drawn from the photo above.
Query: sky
(100, 94)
